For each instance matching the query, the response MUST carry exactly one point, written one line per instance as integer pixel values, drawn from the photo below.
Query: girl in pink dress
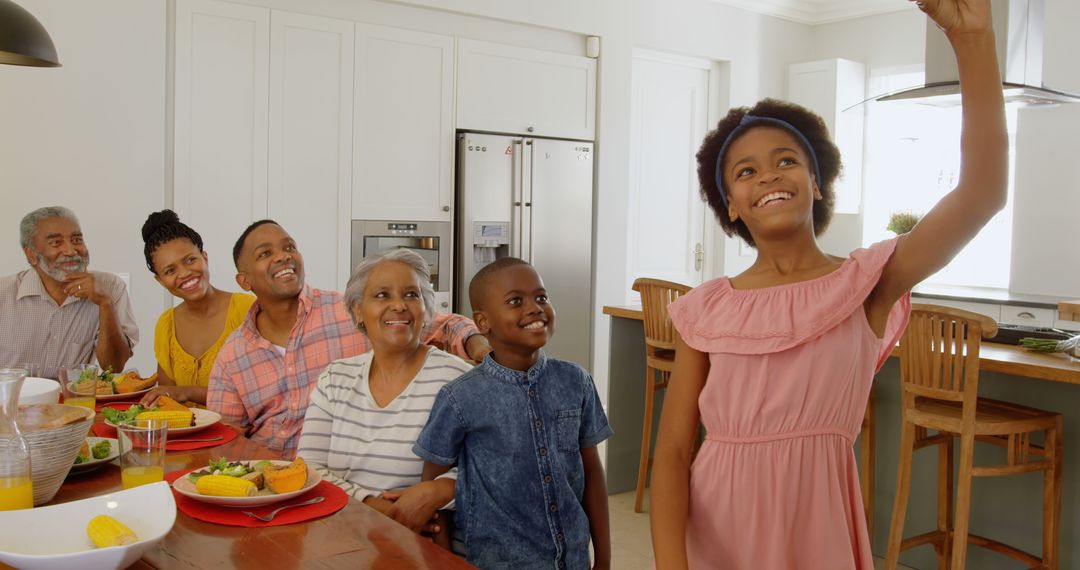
(777, 361)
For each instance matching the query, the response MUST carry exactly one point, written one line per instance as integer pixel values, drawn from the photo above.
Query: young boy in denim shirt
(523, 430)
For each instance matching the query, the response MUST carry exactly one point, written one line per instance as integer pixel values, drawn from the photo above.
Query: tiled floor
(631, 545)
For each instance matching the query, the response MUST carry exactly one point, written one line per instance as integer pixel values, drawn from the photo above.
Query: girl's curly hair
(808, 123)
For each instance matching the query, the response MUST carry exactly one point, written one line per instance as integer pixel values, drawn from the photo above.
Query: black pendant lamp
(23, 40)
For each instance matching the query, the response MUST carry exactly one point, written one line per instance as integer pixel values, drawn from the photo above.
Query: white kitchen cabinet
(511, 89)
(403, 146)
(310, 140)
(221, 117)
(828, 87)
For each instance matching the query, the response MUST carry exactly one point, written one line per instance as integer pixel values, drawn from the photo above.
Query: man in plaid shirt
(268, 366)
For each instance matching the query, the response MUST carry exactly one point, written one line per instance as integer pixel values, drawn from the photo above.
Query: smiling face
(770, 182)
(391, 307)
(57, 249)
(517, 316)
(270, 265)
(182, 269)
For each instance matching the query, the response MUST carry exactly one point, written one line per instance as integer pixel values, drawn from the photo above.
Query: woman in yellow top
(188, 336)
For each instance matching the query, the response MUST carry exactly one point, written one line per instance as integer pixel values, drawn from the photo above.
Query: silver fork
(273, 513)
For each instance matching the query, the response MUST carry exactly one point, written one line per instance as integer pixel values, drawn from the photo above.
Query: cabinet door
(219, 176)
(832, 88)
(669, 101)
(403, 149)
(311, 79)
(517, 90)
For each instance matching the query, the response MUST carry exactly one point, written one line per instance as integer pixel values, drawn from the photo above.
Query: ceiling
(819, 11)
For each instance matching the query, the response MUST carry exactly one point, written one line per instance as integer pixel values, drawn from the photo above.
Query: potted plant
(902, 222)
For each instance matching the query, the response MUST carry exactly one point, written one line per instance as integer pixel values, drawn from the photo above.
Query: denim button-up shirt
(517, 438)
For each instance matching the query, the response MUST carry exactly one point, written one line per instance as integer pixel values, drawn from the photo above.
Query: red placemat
(219, 429)
(103, 430)
(336, 499)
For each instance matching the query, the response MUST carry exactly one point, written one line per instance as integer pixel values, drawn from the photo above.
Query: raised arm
(669, 498)
(981, 190)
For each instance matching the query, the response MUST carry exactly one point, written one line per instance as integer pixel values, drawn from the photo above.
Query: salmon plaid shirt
(254, 386)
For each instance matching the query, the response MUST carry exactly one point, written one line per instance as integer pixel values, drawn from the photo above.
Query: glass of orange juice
(142, 451)
(79, 385)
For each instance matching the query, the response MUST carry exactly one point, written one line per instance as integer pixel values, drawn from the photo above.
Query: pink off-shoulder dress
(775, 485)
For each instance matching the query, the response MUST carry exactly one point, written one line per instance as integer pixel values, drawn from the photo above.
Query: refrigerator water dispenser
(491, 241)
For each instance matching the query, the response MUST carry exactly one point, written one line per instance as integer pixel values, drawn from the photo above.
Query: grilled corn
(106, 531)
(176, 419)
(225, 486)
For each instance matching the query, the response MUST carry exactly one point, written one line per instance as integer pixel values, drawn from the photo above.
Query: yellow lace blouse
(185, 369)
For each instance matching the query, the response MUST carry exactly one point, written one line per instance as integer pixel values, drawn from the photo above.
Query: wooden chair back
(939, 353)
(656, 295)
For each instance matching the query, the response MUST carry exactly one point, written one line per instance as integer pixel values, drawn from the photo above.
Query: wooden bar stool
(939, 373)
(656, 295)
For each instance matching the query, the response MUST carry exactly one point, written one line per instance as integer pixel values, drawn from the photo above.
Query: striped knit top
(360, 447)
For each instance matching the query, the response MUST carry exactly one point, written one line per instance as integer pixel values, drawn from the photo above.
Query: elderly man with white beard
(58, 313)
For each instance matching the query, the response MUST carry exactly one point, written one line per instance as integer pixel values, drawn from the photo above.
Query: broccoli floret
(101, 450)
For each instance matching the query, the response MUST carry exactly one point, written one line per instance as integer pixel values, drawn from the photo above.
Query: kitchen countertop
(993, 357)
(985, 295)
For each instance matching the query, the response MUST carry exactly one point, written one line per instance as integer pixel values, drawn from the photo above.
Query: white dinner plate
(203, 420)
(186, 487)
(114, 452)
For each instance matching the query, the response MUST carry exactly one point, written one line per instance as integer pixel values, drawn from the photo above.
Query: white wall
(91, 136)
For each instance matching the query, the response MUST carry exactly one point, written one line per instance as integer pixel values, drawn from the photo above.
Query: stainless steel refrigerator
(530, 198)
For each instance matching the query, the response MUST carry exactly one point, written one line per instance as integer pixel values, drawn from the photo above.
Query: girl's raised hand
(958, 16)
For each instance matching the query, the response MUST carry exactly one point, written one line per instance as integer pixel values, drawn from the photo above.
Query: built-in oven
(431, 240)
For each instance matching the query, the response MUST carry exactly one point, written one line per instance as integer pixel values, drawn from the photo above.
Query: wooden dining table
(356, 537)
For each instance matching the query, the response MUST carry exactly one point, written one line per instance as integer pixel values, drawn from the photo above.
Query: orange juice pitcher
(16, 487)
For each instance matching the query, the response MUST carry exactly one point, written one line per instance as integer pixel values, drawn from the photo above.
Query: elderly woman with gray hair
(367, 411)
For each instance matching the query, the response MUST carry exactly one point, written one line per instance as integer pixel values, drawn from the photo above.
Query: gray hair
(354, 290)
(30, 221)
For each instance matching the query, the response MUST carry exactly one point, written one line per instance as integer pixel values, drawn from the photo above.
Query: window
(912, 160)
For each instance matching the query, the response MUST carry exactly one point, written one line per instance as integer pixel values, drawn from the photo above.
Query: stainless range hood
(1018, 26)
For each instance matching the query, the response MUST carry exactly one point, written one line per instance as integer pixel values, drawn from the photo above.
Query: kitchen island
(1008, 508)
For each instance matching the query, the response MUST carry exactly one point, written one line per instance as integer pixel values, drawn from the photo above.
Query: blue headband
(748, 121)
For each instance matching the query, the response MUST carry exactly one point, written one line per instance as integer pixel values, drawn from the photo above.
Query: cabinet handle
(1025, 315)
(445, 304)
(446, 208)
(530, 129)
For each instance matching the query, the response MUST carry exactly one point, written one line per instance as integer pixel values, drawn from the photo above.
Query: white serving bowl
(54, 538)
(39, 391)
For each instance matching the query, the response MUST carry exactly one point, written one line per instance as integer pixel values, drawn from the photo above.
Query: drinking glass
(79, 386)
(142, 451)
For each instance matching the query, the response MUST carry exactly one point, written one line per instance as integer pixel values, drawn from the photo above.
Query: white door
(311, 80)
(222, 65)
(404, 129)
(669, 106)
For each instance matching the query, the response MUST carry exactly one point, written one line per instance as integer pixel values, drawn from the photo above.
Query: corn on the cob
(106, 531)
(287, 478)
(176, 419)
(224, 486)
